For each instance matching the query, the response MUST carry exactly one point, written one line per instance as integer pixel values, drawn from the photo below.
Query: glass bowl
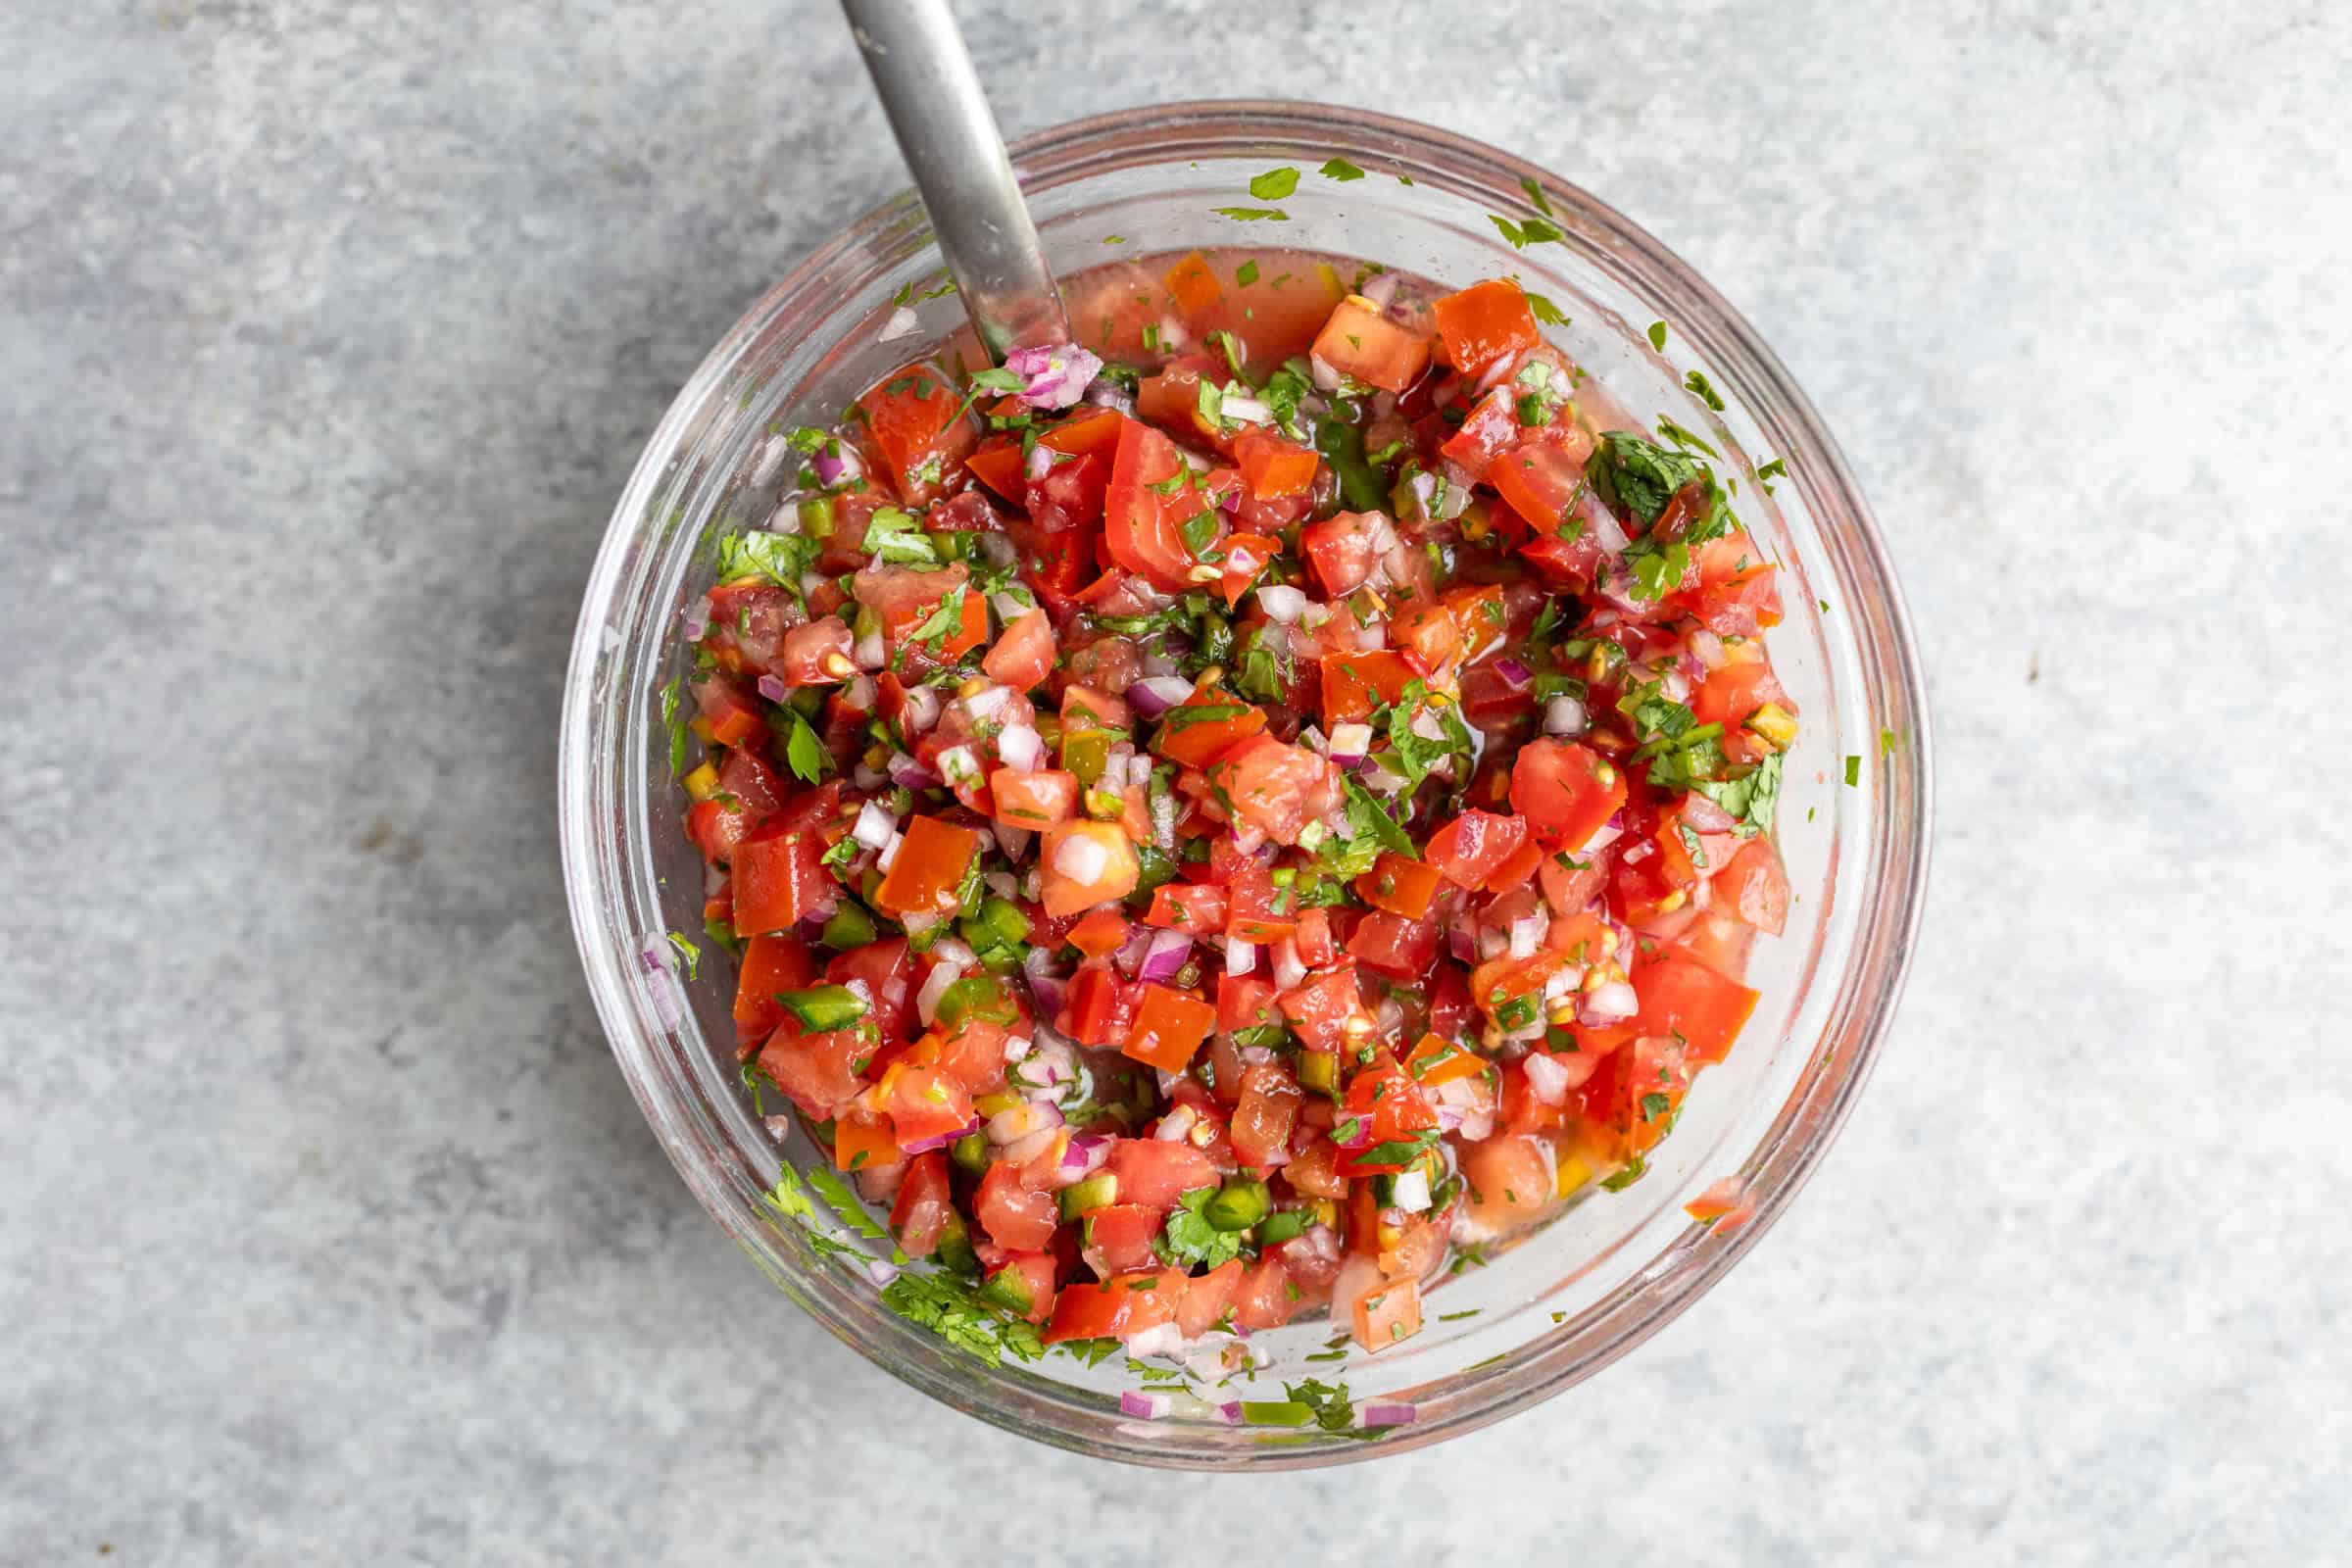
(1854, 822)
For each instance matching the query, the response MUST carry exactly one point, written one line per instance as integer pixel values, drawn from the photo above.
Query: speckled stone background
(327, 1230)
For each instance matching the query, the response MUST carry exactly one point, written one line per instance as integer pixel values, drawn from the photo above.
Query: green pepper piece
(823, 1009)
(999, 924)
(970, 1151)
(1008, 1289)
(956, 1246)
(1342, 447)
(975, 996)
(1239, 1204)
(1099, 1191)
(1275, 1228)
(1085, 752)
(816, 516)
(848, 926)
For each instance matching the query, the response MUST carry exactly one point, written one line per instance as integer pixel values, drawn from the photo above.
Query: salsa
(1219, 818)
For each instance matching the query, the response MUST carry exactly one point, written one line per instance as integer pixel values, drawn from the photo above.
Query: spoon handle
(932, 95)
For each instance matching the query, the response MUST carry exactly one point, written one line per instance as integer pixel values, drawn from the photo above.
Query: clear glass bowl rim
(1893, 685)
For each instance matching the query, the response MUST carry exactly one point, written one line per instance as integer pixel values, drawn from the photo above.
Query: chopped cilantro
(1190, 1238)
(1339, 168)
(1274, 185)
(1853, 770)
(1657, 336)
(1253, 215)
(804, 752)
(1548, 314)
(1244, 275)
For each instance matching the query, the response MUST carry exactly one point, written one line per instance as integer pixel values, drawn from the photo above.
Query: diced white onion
(958, 766)
(1289, 973)
(890, 852)
(1351, 739)
(1564, 715)
(1080, 859)
(1611, 1003)
(1409, 1191)
(943, 974)
(902, 322)
(1525, 934)
(1245, 410)
(986, 703)
(875, 827)
(1021, 748)
(1281, 602)
(1241, 958)
(1175, 1124)
(869, 653)
(1547, 1079)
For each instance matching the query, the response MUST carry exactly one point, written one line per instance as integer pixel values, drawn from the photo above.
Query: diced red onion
(1111, 395)
(1386, 1415)
(1176, 1125)
(1706, 816)
(1154, 695)
(1130, 955)
(1241, 958)
(1087, 1153)
(1165, 955)
(943, 974)
(662, 980)
(1613, 1003)
(1053, 376)
(1349, 743)
(774, 690)
(1289, 973)
(1382, 289)
(1603, 836)
(1461, 944)
(778, 1127)
(836, 462)
(1282, 603)
(879, 1184)
(1040, 462)
(1493, 375)
(698, 619)
(1014, 842)
(1515, 674)
(924, 1146)
(1565, 715)
(860, 692)
(1326, 378)
(909, 774)
(881, 1270)
(1231, 1411)
(1144, 1407)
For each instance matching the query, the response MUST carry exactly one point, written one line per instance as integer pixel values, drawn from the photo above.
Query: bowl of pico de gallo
(1281, 880)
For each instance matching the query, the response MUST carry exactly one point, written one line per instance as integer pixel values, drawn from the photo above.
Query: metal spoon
(952, 146)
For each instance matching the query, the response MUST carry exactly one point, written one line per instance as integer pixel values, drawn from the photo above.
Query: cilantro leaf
(1274, 185)
(1548, 314)
(898, 537)
(781, 558)
(808, 757)
(843, 1202)
(1191, 1239)
(1252, 214)
(1339, 168)
(1754, 797)
(950, 1308)
(690, 952)
(1367, 817)
(1636, 474)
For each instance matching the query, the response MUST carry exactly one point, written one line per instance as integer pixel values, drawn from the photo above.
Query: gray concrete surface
(327, 1230)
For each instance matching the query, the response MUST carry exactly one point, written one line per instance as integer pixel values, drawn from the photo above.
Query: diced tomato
(1353, 684)
(1319, 1008)
(1198, 908)
(1273, 465)
(915, 419)
(1359, 341)
(929, 618)
(1738, 594)
(1023, 655)
(925, 1205)
(1511, 1180)
(1121, 1308)
(1275, 789)
(1469, 850)
(1084, 863)
(1035, 799)
(1015, 1215)
(1437, 1059)
(818, 1073)
(1565, 790)
(1170, 1026)
(924, 1102)
(1140, 526)
(1427, 634)
(1489, 431)
(1097, 1011)
(772, 962)
(1691, 1001)
(1263, 1299)
(928, 873)
(1723, 1206)
(1118, 1238)
(1265, 1114)
(1400, 885)
(1243, 1002)
(1541, 481)
(1730, 697)
(861, 1141)
(1246, 555)
(1098, 933)
(780, 879)
(1341, 549)
(1208, 1298)
(1193, 284)
(1206, 725)
(1485, 323)
(735, 717)
(1155, 1172)
(1394, 947)
(1633, 1096)
(1388, 1315)
(1029, 1277)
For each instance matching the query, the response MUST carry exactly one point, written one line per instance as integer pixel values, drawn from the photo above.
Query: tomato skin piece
(1096, 1010)
(1360, 341)
(1155, 1172)
(1170, 1026)
(864, 1141)
(1016, 1216)
(1193, 284)
(1482, 323)
(1469, 850)
(1566, 791)
(932, 860)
